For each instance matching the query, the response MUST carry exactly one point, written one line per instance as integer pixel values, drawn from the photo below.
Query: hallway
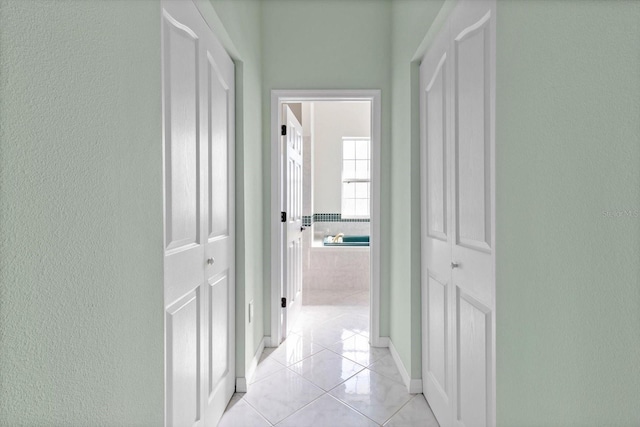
(326, 374)
(98, 329)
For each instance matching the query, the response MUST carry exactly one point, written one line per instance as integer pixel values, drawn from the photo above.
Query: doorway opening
(338, 209)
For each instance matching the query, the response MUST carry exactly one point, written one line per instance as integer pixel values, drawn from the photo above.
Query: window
(356, 177)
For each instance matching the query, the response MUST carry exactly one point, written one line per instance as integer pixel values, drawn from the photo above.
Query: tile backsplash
(307, 220)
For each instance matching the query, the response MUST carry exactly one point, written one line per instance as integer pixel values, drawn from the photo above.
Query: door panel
(218, 351)
(183, 364)
(181, 142)
(218, 102)
(472, 162)
(437, 341)
(436, 152)
(199, 283)
(292, 191)
(473, 325)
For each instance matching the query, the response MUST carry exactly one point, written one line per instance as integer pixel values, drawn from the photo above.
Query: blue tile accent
(335, 217)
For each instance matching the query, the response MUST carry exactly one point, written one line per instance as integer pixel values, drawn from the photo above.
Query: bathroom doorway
(340, 174)
(336, 214)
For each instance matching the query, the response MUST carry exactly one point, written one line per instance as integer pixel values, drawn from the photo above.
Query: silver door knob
(210, 261)
(455, 265)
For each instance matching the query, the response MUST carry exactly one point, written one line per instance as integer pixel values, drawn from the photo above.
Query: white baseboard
(242, 383)
(414, 385)
(380, 342)
(267, 342)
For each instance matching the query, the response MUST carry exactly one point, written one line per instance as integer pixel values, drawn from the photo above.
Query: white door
(467, 292)
(437, 291)
(199, 288)
(292, 226)
(473, 190)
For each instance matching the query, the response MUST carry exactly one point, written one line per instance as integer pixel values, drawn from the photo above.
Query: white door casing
(470, 103)
(199, 283)
(292, 175)
(278, 97)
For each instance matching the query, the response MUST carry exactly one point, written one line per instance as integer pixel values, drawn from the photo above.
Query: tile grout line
(255, 409)
(400, 408)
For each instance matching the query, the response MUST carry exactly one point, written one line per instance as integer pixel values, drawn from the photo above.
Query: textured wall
(327, 44)
(568, 151)
(81, 327)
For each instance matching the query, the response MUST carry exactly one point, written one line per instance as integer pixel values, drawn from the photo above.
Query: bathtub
(347, 241)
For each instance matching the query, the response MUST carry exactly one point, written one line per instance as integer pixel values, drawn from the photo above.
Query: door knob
(210, 261)
(302, 228)
(454, 265)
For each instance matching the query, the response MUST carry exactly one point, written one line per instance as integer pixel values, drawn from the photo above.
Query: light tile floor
(325, 374)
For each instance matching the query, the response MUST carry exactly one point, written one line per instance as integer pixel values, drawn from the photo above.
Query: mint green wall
(568, 295)
(81, 340)
(327, 44)
(410, 21)
(81, 287)
(241, 20)
(568, 150)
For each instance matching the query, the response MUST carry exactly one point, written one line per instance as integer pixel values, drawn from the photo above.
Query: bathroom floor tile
(357, 348)
(360, 298)
(324, 412)
(387, 367)
(357, 323)
(326, 369)
(307, 322)
(294, 349)
(321, 313)
(326, 335)
(281, 394)
(373, 395)
(266, 367)
(302, 394)
(415, 413)
(240, 414)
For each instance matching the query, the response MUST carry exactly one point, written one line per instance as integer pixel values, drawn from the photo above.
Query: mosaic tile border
(307, 220)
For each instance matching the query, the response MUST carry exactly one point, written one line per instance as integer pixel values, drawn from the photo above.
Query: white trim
(242, 383)
(383, 342)
(214, 22)
(267, 341)
(414, 385)
(278, 97)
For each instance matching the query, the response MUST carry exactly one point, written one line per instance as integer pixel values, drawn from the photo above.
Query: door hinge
(283, 217)
(283, 130)
(283, 302)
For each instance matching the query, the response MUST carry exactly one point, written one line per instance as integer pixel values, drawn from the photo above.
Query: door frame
(279, 97)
